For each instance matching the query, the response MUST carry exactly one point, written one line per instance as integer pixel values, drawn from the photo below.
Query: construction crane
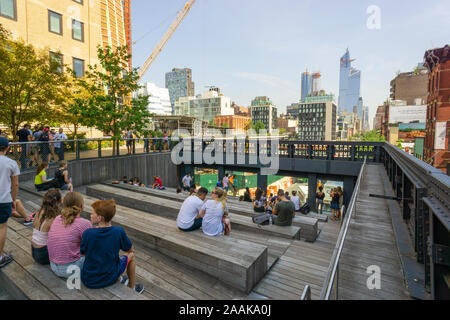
(166, 38)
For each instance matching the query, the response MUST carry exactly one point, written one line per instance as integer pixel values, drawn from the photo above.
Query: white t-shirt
(225, 182)
(8, 169)
(212, 221)
(188, 211)
(296, 201)
(187, 181)
(59, 136)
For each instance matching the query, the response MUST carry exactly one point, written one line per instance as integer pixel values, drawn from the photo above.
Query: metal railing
(331, 283)
(306, 295)
(30, 154)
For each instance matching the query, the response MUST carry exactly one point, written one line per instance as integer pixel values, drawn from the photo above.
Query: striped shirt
(64, 242)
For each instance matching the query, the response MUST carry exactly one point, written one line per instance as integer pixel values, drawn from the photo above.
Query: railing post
(134, 146)
(77, 149)
(99, 148)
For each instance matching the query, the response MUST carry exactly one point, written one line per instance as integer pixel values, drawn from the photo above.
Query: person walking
(9, 189)
(59, 144)
(186, 182)
(334, 194)
(225, 181)
(320, 195)
(166, 141)
(24, 136)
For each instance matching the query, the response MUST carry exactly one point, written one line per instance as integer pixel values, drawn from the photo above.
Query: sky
(252, 48)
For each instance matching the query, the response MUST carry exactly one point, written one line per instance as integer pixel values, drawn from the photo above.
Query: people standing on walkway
(231, 182)
(166, 141)
(129, 142)
(189, 218)
(24, 135)
(320, 195)
(60, 137)
(334, 194)
(9, 189)
(50, 209)
(44, 139)
(215, 214)
(284, 210)
(35, 149)
(186, 182)
(296, 200)
(41, 182)
(51, 135)
(62, 180)
(64, 236)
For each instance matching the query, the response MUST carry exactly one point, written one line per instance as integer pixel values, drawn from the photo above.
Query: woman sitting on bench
(258, 204)
(214, 213)
(40, 180)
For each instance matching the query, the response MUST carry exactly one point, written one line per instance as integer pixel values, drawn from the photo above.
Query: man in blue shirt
(101, 246)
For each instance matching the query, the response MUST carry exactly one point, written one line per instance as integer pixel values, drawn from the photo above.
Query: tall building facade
(307, 84)
(316, 82)
(436, 151)
(180, 84)
(349, 84)
(411, 86)
(158, 101)
(237, 123)
(262, 109)
(71, 30)
(317, 118)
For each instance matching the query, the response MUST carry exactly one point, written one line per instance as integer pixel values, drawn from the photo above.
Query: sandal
(5, 260)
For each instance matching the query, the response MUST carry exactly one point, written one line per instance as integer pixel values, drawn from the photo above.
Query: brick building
(410, 86)
(238, 123)
(436, 149)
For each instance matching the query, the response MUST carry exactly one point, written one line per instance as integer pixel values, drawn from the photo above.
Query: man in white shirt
(186, 181)
(296, 200)
(9, 188)
(59, 146)
(188, 218)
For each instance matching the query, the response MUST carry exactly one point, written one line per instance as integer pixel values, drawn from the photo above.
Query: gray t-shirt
(212, 221)
(8, 169)
(188, 211)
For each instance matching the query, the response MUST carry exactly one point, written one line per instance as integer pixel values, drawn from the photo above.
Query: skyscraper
(316, 83)
(349, 84)
(180, 84)
(307, 84)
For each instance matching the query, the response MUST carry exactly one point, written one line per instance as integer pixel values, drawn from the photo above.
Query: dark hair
(50, 207)
(281, 193)
(179, 190)
(202, 191)
(294, 193)
(258, 194)
(320, 188)
(41, 167)
(286, 193)
(247, 188)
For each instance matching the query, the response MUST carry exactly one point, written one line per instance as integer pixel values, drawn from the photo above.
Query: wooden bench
(170, 208)
(233, 203)
(29, 280)
(236, 262)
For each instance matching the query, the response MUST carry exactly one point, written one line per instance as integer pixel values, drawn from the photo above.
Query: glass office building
(307, 84)
(180, 84)
(349, 84)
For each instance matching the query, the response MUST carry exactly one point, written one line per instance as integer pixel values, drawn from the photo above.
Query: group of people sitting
(61, 180)
(157, 182)
(211, 215)
(281, 207)
(64, 240)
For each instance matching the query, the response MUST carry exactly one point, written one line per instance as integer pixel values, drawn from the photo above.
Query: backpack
(262, 218)
(305, 208)
(44, 137)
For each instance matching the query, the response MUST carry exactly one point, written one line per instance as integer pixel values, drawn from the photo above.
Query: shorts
(129, 143)
(5, 212)
(40, 255)
(197, 224)
(124, 261)
(334, 206)
(64, 187)
(62, 269)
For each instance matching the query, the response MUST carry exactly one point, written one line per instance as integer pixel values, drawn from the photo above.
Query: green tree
(109, 104)
(371, 136)
(31, 83)
(258, 126)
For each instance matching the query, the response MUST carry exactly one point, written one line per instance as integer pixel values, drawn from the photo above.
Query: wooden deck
(295, 263)
(371, 241)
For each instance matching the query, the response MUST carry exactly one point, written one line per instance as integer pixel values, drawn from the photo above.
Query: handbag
(262, 218)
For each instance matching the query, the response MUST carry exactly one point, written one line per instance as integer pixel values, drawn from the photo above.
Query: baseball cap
(4, 142)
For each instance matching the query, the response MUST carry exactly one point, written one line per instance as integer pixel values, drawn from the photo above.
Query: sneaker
(124, 280)
(28, 222)
(139, 288)
(6, 259)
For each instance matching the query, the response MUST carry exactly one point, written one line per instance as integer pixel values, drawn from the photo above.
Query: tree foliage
(108, 104)
(31, 83)
(258, 126)
(372, 136)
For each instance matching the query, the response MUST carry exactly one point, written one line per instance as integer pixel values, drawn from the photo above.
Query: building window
(78, 67)
(77, 30)
(8, 9)
(55, 22)
(57, 58)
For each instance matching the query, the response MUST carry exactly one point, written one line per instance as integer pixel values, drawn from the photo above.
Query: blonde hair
(72, 206)
(222, 197)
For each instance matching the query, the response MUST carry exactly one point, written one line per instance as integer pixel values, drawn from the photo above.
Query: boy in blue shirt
(101, 246)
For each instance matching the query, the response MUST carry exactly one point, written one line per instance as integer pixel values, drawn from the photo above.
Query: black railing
(30, 154)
